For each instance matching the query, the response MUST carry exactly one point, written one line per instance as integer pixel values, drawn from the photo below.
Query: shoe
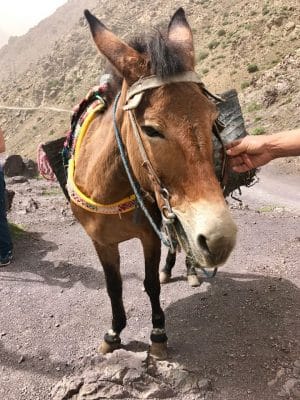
(5, 260)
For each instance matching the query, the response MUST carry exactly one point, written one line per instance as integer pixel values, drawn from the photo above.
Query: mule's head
(176, 122)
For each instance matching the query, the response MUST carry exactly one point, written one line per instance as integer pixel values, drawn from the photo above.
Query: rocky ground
(233, 338)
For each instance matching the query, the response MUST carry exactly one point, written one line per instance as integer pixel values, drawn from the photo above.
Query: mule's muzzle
(207, 238)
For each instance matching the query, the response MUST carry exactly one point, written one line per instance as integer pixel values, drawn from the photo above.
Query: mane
(165, 58)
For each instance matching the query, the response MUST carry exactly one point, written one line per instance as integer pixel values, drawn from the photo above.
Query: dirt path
(241, 331)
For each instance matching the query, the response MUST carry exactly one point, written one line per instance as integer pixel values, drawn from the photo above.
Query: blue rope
(132, 182)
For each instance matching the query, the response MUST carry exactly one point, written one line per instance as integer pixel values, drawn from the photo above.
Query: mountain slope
(229, 40)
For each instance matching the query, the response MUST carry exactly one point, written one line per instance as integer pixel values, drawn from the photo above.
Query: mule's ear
(124, 58)
(180, 34)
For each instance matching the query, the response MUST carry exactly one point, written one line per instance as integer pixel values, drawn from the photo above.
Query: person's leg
(5, 238)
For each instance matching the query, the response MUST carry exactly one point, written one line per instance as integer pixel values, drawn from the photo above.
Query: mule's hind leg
(191, 273)
(158, 336)
(110, 259)
(165, 273)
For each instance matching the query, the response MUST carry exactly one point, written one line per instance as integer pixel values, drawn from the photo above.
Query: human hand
(248, 153)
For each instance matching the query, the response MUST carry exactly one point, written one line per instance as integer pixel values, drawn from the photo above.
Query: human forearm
(284, 144)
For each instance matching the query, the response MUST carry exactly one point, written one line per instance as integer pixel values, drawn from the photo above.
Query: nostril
(203, 245)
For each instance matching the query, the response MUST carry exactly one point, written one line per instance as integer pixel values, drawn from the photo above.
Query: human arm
(2, 141)
(256, 151)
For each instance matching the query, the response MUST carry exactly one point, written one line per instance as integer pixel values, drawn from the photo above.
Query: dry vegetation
(252, 46)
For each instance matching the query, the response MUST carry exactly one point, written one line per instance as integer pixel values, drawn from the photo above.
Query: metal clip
(167, 212)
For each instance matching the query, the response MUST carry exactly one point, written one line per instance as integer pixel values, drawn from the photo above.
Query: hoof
(159, 351)
(193, 280)
(105, 347)
(164, 277)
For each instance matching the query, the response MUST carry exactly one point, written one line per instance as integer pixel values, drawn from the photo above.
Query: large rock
(15, 165)
(127, 375)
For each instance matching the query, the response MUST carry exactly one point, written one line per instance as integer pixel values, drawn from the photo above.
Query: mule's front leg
(110, 259)
(158, 336)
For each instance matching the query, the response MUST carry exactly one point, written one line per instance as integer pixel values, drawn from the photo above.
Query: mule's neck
(99, 172)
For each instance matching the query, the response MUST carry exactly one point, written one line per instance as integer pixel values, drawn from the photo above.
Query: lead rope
(134, 186)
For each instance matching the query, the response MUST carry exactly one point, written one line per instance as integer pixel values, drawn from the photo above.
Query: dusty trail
(41, 108)
(240, 331)
(275, 190)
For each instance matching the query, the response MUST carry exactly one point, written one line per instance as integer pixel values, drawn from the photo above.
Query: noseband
(133, 98)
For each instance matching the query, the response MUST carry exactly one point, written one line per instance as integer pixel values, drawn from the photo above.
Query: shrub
(17, 231)
(245, 84)
(202, 55)
(253, 107)
(265, 10)
(252, 68)
(213, 44)
(221, 32)
(258, 131)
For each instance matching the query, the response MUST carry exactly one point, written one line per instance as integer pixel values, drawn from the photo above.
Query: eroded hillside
(252, 46)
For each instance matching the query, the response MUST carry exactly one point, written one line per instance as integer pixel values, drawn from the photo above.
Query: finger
(237, 148)
(232, 144)
(247, 161)
(241, 168)
(234, 161)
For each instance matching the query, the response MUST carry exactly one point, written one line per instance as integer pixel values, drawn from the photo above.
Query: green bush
(221, 32)
(258, 131)
(251, 68)
(213, 44)
(253, 107)
(245, 84)
(202, 55)
(265, 10)
(17, 231)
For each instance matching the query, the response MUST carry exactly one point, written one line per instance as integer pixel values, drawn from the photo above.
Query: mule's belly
(112, 229)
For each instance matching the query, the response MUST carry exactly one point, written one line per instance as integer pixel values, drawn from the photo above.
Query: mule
(173, 119)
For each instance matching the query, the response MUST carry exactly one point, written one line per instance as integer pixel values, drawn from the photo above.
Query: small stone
(57, 325)
(290, 26)
(21, 359)
(289, 385)
(205, 384)
(296, 390)
(3, 334)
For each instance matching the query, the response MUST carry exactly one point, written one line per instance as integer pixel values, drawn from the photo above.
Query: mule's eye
(151, 132)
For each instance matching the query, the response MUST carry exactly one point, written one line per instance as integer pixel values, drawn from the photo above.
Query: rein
(133, 98)
(166, 241)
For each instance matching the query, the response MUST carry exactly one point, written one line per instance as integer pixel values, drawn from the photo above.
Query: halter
(133, 98)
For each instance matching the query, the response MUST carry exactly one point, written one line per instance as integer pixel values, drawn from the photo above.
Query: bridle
(134, 96)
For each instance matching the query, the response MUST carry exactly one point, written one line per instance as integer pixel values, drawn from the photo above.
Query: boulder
(31, 168)
(13, 166)
(127, 375)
